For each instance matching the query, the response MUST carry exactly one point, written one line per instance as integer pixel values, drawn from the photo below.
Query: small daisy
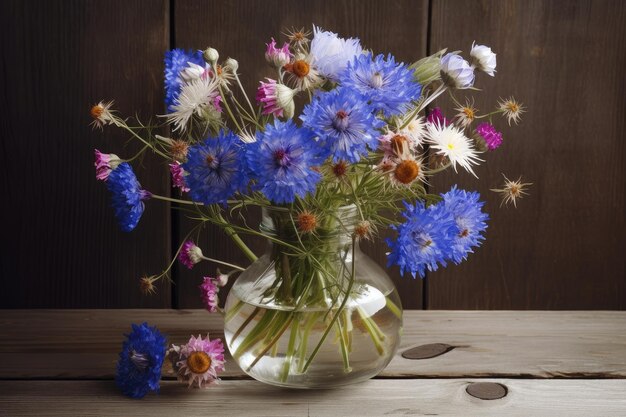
(407, 170)
(415, 130)
(195, 98)
(200, 360)
(512, 190)
(190, 254)
(102, 114)
(452, 143)
(466, 114)
(511, 109)
(302, 73)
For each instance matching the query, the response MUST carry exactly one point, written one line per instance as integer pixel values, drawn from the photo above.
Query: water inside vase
(275, 344)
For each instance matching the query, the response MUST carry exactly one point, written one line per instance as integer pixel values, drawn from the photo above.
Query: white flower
(331, 54)
(511, 109)
(302, 73)
(512, 190)
(415, 130)
(456, 72)
(194, 98)
(193, 71)
(452, 143)
(102, 114)
(483, 59)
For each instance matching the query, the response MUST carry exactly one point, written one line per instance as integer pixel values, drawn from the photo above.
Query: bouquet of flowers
(355, 159)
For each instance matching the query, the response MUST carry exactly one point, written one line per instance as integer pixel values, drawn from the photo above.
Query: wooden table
(61, 363)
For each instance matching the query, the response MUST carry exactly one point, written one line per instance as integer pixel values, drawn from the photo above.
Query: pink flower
(199, 361)
(436, 117)
(190, 254)
(492, 137)
(178, 176)
(208, 293)
(277, 57)
(276, 98)
(105, 163)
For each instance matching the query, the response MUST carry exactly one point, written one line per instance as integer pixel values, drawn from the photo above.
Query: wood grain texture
(241, 28)
(61, 244)
(440, 397)
(84, 343)
(563, 248)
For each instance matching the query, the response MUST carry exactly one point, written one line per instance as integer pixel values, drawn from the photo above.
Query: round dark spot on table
(427, 351)
(487, 390)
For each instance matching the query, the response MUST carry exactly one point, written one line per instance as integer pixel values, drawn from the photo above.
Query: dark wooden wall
(563, 248)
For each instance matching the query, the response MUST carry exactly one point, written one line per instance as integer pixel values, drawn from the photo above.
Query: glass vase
(313, 311)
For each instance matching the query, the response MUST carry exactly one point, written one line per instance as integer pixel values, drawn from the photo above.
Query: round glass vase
(313, 311)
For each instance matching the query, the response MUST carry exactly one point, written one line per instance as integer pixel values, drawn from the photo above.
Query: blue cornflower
(282, 161)
(177, 60)
(344, 123)
(216, 169)
(424, 240)
(141, 358)
(126, 196)
(466, 208)
(389, 86)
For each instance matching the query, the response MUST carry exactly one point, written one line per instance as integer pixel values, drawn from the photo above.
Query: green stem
(245, 323)
(337, 314)
(395, 310)
(237, 267)
(274, 340)
(291, 345)
(230, 231)
(372, 331)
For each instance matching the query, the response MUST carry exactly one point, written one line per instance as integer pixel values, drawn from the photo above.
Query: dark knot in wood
(487, 390)
(431, 350)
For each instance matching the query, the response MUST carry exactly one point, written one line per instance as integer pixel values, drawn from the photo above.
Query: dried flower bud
(340, 169)
(232, 64)
(211, 55)
(307, 222)
(363, 230)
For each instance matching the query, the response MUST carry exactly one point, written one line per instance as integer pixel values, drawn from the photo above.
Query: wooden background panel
(61, 244)
(563, 248)
(241, 28)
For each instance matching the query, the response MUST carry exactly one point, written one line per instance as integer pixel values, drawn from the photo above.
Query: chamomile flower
(450, 142)
(102, 114)
(415, 131)
(512, 190)
(511, 109)
(302, 73)
(200, 98)
(466, 114)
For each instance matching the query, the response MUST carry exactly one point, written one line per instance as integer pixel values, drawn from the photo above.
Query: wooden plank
(240, 29)
(528, 344)
(563, 248)
(61, 244)
(441, 397)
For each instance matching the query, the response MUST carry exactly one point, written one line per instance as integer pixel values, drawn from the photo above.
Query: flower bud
(211, 55)
(483, 58)
(428, 69)
(277, 57)
(284, 98)
(456, 72)
(232, 64)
